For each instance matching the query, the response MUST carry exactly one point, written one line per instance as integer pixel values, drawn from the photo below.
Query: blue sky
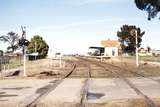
(71, 26)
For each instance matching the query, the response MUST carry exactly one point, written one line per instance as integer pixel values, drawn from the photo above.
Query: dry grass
(46, 66)
(34, 68)
(145, 69)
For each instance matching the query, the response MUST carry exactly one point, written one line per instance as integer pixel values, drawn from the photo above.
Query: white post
(51, 58)
(64, 64)
(60, 61)
(24, 50)
(101, 57)
(24, 63)
(137, 64)
(4, 66)
(1, 68)
(51, 62)
(35, 50)
(0, 65)
(8, 66)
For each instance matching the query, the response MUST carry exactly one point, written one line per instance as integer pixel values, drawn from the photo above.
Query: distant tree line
(15, 42)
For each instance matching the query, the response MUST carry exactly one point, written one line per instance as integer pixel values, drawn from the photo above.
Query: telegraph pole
(24, 50)
(134, 33)
(137, 64)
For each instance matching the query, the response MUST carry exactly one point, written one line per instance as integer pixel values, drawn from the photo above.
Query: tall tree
(128, 39)
(151, 6)
(39, 45)
(12, 39)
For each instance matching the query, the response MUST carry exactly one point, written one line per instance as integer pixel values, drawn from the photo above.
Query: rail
(116, 74)
(51, 88)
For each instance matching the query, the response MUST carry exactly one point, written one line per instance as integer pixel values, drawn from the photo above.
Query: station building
(108, 48)
(111, 47)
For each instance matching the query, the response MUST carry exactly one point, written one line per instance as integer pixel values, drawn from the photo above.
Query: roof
(95, 47)
(99, 48)
(110, 43)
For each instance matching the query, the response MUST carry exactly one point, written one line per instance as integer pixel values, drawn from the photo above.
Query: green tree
(151, 6)
(128, 40)
(12, 39)
(39, 45)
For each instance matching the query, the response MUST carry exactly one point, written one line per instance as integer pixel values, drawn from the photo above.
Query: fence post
(4, 66)
(1, 68)
(0, 65)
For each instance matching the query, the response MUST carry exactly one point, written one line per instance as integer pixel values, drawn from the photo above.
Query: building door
(113, 52)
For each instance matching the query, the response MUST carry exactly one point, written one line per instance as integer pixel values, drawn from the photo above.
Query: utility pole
(137, 64)
(24, 50)
(134, 33)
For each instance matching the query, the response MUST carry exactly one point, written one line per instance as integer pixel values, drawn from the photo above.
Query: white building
(156, 52)
(111, 47)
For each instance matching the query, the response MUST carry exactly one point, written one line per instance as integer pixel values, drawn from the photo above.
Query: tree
(128, 40)
(148, 49)
(39, 45)
(12, 39)
(151, 6)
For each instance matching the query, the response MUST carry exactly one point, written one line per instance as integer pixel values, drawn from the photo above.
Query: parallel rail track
(84, 91)
(50, 88)
(118, 72)
(112, 70)
(85, 73)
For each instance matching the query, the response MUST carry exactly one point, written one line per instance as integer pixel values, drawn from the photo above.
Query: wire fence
(9, 62)
(4, 60)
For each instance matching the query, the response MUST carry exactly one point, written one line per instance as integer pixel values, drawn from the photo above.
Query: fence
(10, 62)
(3, 61)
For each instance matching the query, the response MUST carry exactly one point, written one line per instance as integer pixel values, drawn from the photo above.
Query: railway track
(84, 90)
(118, 72)
(129, 71)
(48, 88)
(83, 68)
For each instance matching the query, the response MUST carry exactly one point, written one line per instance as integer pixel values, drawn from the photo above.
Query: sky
(71, 26)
